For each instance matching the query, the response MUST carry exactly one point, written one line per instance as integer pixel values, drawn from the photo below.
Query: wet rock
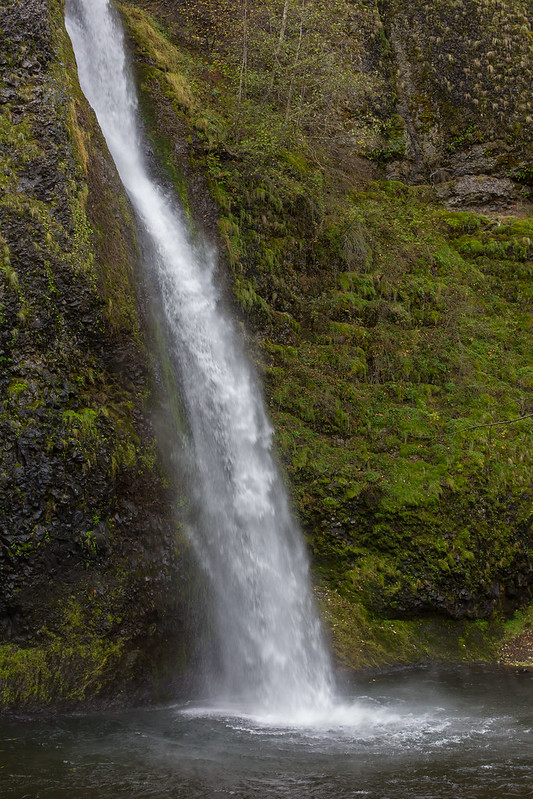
(460, 124)
(61, 479)
(479, 191)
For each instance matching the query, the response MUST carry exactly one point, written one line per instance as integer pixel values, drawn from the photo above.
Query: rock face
(463, 68)
(89, 563)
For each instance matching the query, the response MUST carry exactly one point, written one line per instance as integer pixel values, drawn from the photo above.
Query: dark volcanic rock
(88, 543)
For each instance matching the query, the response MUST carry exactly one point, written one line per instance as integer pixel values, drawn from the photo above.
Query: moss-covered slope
(393, 333)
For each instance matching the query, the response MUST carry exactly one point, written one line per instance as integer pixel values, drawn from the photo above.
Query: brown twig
(491, 424)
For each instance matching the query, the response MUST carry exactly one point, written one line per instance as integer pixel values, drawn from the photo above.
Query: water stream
(271, 657)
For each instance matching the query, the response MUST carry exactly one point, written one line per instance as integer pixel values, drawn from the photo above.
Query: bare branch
(491, 424)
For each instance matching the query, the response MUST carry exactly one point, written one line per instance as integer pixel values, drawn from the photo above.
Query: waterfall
(271, 655)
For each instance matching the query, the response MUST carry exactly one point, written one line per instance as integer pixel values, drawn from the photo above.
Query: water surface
(435, 734)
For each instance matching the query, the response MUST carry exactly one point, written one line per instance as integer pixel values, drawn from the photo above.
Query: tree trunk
(244, 62)
(295, 63)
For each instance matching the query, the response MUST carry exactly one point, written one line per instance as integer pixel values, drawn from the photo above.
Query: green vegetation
(517, 647)
(470, 63)
(363, 640)
(393, 334)
(521, 621)
(78, 249)
(76, 662)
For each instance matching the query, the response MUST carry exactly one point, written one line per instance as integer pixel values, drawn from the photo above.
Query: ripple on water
(409, 737)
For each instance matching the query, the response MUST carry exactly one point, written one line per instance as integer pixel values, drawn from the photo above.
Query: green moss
(361, 640)
(461, 87)
(164, 79)
(397, 396)
(390, 330)
(24, 676)
(152, 42)
(82, 424)
(75, 391)
(395, 140)
(17, 139)
(16, 388)
(5, 262)
(72, 664)
(522, 621)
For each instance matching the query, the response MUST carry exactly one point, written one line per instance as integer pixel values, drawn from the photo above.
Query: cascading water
(272, 657)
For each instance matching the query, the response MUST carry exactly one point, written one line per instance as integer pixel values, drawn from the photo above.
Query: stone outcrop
(462, 74)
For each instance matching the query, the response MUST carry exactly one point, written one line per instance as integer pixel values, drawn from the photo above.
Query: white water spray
(272, 657)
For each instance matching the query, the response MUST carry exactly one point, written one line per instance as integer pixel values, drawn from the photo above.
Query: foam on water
(362, 719)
